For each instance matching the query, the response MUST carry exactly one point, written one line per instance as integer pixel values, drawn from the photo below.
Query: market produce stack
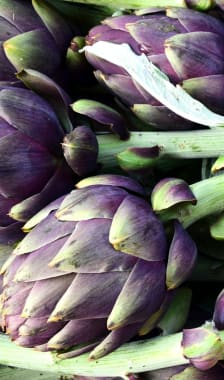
(112, 184)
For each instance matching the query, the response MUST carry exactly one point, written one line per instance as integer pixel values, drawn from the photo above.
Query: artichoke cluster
(94, 254)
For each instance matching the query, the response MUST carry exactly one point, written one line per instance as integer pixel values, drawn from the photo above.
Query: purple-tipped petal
(181, 258)
(35, 266)
(80, 148)
(93, 292)
(124, 87)
(88, 250)
(47, 231)
(52, 92)
(44, 296)
(103, 114)
(161, 118)
(126, 183)
(193, 20)
(142, 294)
(114, 340)
(169, 192)
(91, 202)
(205, 57)
(208, 90)
(40, 328)
(59, 183)
(14, 304)
(42, 214)
(151, 32)
(136, 230)
(78, 332)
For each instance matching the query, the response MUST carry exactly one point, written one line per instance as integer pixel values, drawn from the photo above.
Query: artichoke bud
(80, 149)
(104, 115)
(181, 257)
(169, 192)
(202, 346)
(218, 315)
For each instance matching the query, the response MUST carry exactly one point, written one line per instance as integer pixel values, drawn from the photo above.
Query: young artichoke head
(185, 44)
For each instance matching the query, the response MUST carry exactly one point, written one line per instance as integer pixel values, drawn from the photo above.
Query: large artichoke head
(90, 272)
(33, 35)
(185, 44)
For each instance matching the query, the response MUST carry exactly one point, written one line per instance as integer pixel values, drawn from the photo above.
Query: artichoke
(35, 37)
(94, 260)
(33, 168)
(185, 44)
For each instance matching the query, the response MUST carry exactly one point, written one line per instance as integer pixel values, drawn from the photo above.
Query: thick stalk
(135, 357)
(177, 145)
(133, 4)
(210, 200)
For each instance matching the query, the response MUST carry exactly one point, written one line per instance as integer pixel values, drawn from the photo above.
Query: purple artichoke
(91, 271)
(35, 37)
(185, 44)
(94, 261)
(33, 168)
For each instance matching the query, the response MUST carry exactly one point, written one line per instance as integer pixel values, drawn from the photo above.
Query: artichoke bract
(33, 35)
(185, 44)
(90, 272)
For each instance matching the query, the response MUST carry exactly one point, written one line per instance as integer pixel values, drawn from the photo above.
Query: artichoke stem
(172, 145)
(135, 357)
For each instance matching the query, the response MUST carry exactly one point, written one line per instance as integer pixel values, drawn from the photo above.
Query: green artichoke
(92, 270)
(185, 44)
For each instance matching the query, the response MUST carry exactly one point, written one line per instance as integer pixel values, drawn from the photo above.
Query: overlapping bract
(95, 261)
(92, 270)
(185, 44)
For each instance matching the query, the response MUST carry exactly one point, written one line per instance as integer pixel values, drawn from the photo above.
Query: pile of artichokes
(112, 213)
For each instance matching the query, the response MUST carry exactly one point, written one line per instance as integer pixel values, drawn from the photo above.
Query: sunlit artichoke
(185, 44)
(92, 270)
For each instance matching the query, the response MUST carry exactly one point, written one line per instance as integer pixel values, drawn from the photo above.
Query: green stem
(177, 145)
(210, 200)
(133, 4)
(135, 357)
